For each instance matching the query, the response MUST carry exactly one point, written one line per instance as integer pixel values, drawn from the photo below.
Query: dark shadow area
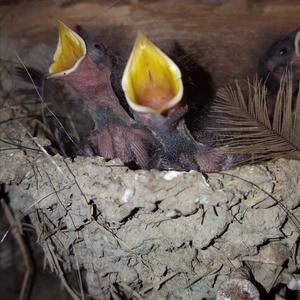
(44, 284)
(199, 92)
(63, 119)
(282, 289)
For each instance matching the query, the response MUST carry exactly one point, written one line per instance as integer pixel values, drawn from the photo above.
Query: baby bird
(153, 88)
(282, 56)
(86, 68)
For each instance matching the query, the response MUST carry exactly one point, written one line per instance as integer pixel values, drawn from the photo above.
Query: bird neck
(165, 122)
(92, 82)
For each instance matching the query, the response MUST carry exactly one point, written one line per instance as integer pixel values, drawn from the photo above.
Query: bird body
(116, 134)
(155, 95)
(153, 134)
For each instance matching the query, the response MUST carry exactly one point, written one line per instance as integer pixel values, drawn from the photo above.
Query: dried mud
(158, 232)
(148, 234)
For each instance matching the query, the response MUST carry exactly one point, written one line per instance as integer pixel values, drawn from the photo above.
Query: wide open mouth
(151, 80)
(70, 51)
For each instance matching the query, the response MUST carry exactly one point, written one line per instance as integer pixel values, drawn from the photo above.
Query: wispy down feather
(242, 121)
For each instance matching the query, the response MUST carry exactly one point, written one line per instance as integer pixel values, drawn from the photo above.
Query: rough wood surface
(227, 40)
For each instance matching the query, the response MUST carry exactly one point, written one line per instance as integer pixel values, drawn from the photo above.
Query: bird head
(282, 56)
(151, 81)
(70, 51)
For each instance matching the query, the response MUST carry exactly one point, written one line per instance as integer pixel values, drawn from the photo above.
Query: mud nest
(144, 234)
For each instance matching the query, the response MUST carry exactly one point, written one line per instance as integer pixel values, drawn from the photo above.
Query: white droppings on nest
(28, 174)
(205, 181)
(294, 284)
(171, 175)
(202, 200)
(127, 194)
(171, 213)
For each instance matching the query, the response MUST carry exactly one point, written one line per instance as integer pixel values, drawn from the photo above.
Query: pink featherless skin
(116, 134)
(150, 141)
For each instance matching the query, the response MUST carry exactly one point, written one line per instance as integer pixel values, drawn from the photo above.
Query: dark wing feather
(30, 74)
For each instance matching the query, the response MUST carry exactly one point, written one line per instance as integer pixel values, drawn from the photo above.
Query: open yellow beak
(297, 43)
(151, 80)
(70, 51)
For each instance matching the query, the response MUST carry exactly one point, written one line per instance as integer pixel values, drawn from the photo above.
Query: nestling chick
(282, 56)
(154, 91)
(86, 67)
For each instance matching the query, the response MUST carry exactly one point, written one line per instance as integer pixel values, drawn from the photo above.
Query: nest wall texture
(147, 234)
(144, 228)
(153, 231)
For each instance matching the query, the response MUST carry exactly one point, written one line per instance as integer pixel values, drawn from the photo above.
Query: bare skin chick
(154, 91)
(87, 69)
